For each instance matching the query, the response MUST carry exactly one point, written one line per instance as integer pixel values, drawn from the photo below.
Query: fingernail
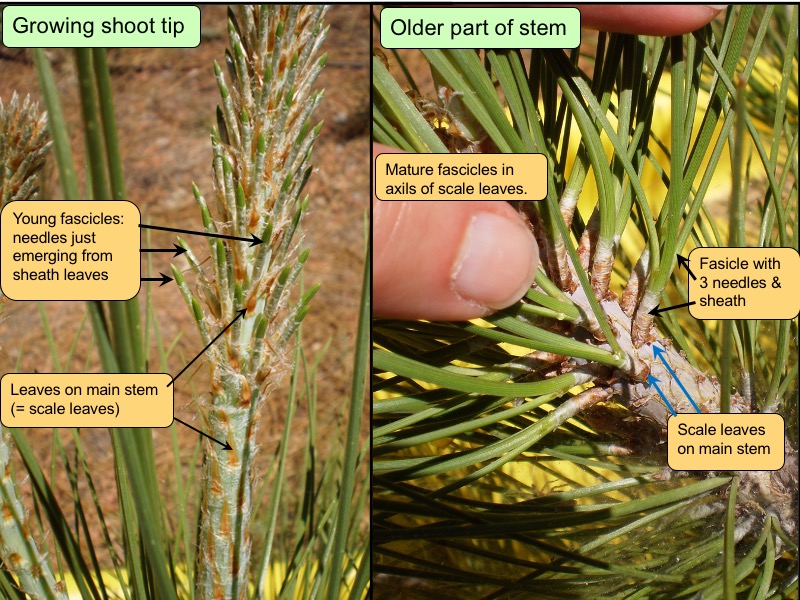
(497, 261)
(716, 6)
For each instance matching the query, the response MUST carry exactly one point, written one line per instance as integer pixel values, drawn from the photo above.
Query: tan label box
(744, 283)
(461, 177)
(725, 442)
(70, 250)
(86, 400)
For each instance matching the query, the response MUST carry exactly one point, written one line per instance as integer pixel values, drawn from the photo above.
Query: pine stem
(261, 149)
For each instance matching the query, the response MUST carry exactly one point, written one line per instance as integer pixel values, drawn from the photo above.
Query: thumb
(449, 260)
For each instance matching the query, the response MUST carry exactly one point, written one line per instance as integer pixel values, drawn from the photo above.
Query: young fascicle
(261, 147)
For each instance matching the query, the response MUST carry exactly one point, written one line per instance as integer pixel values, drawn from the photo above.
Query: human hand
(448, 260)
(648, 19)
(461, 260)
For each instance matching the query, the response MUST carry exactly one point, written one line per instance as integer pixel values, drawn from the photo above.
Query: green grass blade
(345, 516)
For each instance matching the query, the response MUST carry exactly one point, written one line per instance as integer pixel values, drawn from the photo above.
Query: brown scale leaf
(246, 394)
(251, 302)
(253, 221)
(225, 524)
(216, 483)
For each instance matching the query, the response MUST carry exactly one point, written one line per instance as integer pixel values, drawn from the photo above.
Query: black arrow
(684, 262)
(253, 239)
(226, 445)
(163, 279)
(239, 313)
(657, 311)
(178, 250)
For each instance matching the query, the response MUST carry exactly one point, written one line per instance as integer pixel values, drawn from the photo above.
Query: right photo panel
(585, 302)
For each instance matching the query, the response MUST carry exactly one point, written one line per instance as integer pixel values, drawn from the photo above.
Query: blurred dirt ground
(165, 105)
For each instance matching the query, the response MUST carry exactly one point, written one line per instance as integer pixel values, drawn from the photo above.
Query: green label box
(63, 26)
(480, 27)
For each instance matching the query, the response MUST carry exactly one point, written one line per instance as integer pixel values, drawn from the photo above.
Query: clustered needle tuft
(24, 143)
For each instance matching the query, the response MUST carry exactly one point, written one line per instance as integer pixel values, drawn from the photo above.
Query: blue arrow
(652, 381)
(659, 353)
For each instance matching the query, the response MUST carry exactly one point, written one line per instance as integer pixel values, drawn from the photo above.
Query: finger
(449, 260)
(649, 19)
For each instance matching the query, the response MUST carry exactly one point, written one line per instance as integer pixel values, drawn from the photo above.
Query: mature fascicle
(770, 492)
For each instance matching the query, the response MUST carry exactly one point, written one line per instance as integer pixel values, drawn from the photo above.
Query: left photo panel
(185, 301)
